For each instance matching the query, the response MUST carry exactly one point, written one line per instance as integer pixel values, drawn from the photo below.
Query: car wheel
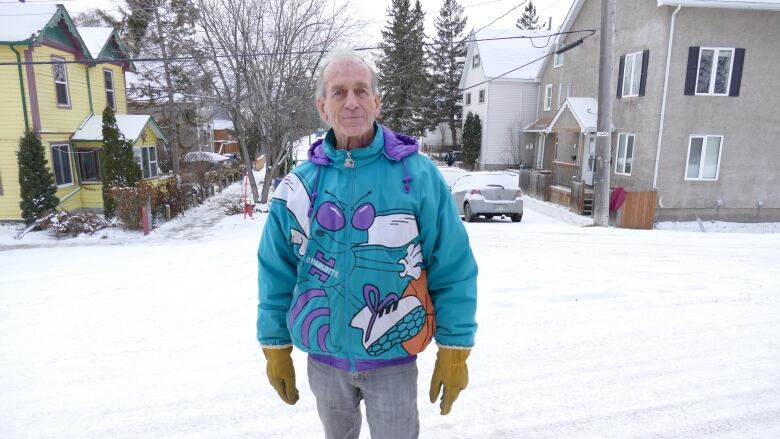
(516, 217)
(468, 215)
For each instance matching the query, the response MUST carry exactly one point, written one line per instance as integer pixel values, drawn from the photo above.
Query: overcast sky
(478, 12)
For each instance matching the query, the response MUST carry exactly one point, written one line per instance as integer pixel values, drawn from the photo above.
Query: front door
(589, 161)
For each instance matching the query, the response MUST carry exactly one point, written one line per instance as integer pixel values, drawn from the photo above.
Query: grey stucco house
(695, 108)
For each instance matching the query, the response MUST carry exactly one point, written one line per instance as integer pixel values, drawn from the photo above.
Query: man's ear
(321, 110)
(378, 103)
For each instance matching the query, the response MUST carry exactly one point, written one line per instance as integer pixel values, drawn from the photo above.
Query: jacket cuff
(275, 346)
(466, 348)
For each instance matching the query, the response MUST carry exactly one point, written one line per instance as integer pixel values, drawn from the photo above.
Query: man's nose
(352, 101)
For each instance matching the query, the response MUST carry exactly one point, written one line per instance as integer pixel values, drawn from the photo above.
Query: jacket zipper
(349, 167)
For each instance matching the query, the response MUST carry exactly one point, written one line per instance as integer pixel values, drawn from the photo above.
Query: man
(362, 260)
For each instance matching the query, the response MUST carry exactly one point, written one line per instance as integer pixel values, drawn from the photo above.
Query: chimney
(549, 24)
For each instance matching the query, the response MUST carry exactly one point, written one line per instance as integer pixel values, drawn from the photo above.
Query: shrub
(73, 224)
(130, 200)
(36, 181)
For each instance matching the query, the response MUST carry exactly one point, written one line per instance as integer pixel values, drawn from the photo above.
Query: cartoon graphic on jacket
(355, 269)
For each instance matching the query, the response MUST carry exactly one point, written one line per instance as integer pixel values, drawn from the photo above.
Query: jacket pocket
(309, 321)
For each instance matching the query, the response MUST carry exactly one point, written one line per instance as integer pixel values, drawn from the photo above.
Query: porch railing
(563, 174)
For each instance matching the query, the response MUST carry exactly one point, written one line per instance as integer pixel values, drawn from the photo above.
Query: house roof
(130, 125)
(585, 111)
(539, 125)
(222, 124)
(19, 21)
(764, 5)
(95, 38)
(500, 56)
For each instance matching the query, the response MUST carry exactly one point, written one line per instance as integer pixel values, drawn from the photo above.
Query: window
(60, 73)
(547, 97)
(625, 154)
(468, 98)
(482, 96)
(147, 160)
(703, 157)
(475, 60)
(108, 79)
(718, 61)
(89, 165)
(560, 94)
(558, 58)
(60, 159)
(632, 74)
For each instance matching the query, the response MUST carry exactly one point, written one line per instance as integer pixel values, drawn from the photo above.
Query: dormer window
(475, 61)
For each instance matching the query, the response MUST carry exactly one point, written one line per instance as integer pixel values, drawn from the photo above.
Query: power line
(295, 52)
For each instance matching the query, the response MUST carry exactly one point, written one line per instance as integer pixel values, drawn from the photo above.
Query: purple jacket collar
(397, 147)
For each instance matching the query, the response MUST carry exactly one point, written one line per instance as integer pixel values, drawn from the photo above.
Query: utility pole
(172, 110)
(603, 143)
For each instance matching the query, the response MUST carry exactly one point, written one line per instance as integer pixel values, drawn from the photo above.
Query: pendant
(348, 162)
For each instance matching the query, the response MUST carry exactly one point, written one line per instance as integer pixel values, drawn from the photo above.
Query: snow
(130, 125)
(584, 332)
(19, 21)
(222, 124)
(95, 38)
(500, 56)
(203, 156)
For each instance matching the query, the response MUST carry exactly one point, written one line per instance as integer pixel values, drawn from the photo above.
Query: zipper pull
(348, 162)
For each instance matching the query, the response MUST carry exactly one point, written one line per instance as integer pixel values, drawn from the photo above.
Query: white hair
(343, 54)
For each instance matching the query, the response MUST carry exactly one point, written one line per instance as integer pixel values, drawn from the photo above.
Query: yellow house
(55, 80)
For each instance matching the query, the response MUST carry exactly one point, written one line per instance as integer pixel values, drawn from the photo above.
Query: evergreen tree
(529, 19)
(472, 140)
(36, 181)
(447, 55)
(403, 78)
(118, 166)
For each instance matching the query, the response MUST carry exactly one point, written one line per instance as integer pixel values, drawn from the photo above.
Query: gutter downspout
(21, 87)
(89, 88)
(663, 98)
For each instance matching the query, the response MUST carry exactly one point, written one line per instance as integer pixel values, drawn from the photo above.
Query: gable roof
(130, 125)
(36, 23)
(103, 43)
(764, 5)
(500, 56)
(585, 111)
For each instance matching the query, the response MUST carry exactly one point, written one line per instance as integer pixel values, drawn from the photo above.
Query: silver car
(488, 194)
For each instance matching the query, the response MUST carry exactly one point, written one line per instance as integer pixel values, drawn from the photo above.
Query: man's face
(350, 105)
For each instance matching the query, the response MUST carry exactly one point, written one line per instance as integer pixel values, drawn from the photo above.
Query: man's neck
(348, 143)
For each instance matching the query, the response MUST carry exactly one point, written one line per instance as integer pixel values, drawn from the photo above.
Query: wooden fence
(535, 184)
(563, 173)
(638, 212)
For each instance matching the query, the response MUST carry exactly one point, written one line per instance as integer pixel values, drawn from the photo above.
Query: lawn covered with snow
(584, 332)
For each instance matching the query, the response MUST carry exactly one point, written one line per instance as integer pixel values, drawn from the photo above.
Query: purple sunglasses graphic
(331, 217)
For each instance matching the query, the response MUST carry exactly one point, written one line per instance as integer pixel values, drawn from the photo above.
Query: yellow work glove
(281, 373)
(450, 372)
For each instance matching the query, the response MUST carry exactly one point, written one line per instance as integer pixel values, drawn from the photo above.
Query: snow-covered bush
(73, 224)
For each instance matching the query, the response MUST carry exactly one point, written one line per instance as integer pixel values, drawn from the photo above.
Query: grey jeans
(390, 395)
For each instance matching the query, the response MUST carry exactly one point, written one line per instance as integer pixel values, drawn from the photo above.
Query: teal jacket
(364, 257)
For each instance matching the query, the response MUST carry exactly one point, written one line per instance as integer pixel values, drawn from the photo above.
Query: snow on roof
(95, 38)
(585, 111)
(19, 21)
(222, 124)
(500, 56)
(203, 156)
(768, 5)
(130, 125)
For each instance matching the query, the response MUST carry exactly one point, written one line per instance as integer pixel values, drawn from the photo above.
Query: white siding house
(500, 85)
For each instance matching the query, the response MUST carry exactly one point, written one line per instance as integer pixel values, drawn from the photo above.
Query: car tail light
(475, 192)
(519, 194)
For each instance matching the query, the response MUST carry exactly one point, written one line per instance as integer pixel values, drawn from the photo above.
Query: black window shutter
(736, 73)
(693, 68)
(620, 76)
(643, 78)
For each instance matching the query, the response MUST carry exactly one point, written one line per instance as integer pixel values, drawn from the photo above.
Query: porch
(561, 185)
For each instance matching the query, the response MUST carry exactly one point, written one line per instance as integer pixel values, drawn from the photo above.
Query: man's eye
(338, 92)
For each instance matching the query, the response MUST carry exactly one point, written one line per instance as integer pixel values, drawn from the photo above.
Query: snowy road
(584, 333)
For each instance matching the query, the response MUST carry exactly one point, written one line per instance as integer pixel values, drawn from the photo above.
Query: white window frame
(558, 57)
(56, 60)
(468, 98)
(560, 95)
(142, 154)
(628, 78)
(626, 158)
(713, 72)
(704, 138)
(548, 97)
(110, 102)
(481, 99)
(60, 147)
(475, 61)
